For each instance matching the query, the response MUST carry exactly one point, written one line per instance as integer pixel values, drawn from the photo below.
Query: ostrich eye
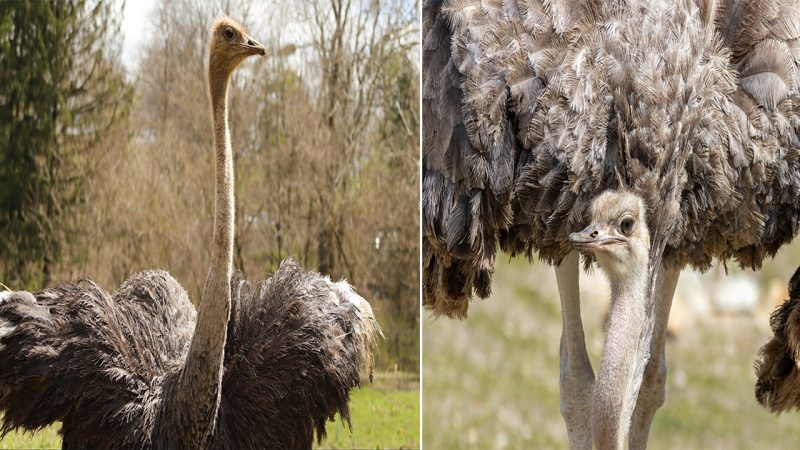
(626, 226)
(228, 34)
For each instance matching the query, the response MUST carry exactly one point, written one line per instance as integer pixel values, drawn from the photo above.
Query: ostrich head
(617, 235)
(230, 45)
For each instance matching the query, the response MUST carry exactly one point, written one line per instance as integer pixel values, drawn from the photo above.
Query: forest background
(106, 169)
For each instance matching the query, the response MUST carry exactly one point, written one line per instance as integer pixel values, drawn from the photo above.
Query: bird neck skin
(201, 377)
(222, 250)
(617, 387)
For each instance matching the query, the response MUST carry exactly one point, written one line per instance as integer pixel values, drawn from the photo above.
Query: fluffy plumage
(104, 365)
(533, 108)
(778, 361)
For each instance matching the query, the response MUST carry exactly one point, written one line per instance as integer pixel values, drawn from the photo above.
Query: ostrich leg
(577, 376)
(651, 394)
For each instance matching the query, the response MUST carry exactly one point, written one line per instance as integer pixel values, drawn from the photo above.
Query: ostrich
(531, 109)
(778, 362)
(619, 240)
(258, 365)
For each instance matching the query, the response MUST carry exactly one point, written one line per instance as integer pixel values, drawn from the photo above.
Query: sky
(134, 29)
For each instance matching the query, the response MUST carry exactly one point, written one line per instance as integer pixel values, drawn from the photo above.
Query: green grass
(46, 438)
(384, 414)
(382, 418)
(491, 382)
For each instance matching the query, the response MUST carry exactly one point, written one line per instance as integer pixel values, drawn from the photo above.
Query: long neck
(625, 354)
(201, 377)
(222, 249)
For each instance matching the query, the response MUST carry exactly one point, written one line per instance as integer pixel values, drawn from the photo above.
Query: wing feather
(763, 36)
(485, 66)
(92, 360)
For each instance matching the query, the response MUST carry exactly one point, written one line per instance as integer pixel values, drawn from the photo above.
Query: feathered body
(105, 365)
(533, 108)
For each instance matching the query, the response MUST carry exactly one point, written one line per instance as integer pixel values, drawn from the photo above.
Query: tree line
(105, 172)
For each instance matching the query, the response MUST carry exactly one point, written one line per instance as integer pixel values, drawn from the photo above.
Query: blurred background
(491, 381)
(106, 162)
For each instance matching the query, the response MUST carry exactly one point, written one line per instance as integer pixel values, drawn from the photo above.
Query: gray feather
(693, 106)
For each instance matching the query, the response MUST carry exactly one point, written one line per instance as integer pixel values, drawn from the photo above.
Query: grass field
(491, 382)
(46, 438)
(384, 414)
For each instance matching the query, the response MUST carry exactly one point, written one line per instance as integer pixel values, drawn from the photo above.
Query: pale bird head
(617, 235)
(230, 45)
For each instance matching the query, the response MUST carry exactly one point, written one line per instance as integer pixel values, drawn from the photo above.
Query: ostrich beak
(593, 237)
(252, 47)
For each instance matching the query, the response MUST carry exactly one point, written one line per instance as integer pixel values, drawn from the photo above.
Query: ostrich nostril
(594, 234)
(250, 42)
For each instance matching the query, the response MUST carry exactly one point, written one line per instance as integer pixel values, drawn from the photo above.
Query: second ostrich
(258, 365)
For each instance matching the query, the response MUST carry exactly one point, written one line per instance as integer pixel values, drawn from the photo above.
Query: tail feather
(778, 363)
(296, 342)
(367, 326)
